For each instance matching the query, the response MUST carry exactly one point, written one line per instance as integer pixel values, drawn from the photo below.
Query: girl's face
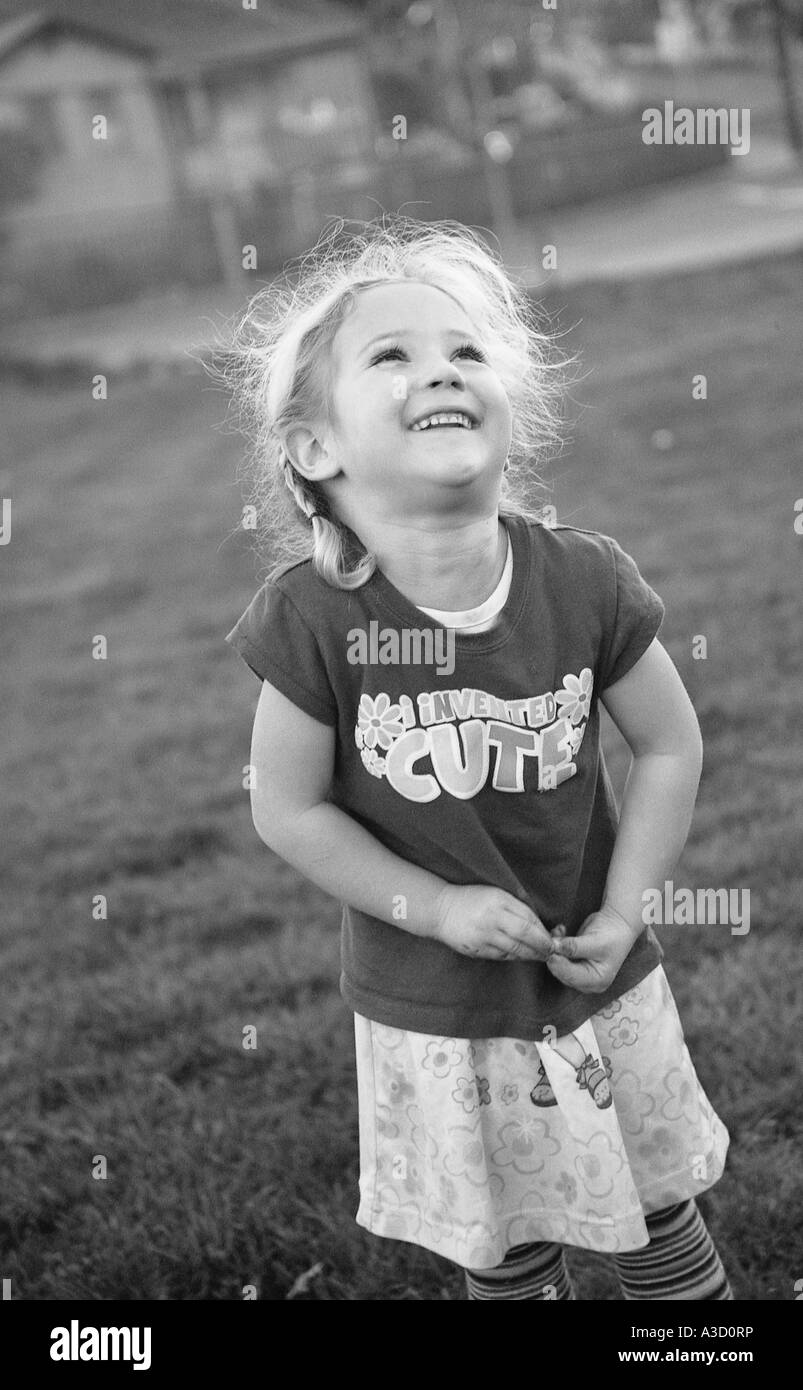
(405, 351)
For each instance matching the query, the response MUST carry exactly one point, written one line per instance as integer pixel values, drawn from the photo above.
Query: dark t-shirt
(487, 773)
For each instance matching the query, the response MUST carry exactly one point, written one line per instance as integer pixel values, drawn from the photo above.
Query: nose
(447, 374)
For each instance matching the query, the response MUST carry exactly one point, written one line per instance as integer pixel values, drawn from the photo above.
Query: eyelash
(463, 349)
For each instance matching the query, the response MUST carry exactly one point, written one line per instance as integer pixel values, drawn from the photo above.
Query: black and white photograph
(401, 832)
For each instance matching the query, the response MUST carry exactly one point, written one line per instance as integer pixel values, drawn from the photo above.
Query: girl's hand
(490, 923)
(591, 960)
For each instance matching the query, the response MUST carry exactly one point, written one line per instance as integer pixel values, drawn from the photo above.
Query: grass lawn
(123, 777)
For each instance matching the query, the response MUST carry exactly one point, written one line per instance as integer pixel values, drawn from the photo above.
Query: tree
(787, 24)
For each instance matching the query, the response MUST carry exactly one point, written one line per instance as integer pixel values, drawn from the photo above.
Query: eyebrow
(406, 332)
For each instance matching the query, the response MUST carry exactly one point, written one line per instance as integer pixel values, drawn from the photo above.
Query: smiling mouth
(457, 420)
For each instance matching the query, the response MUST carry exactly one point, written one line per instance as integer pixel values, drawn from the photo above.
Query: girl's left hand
(591, 960)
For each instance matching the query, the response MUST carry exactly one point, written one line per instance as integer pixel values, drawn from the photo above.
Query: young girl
(426, 747)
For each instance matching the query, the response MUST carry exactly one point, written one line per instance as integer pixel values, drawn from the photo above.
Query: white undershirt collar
(479, 618)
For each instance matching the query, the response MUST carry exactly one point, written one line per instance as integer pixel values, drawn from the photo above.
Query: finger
(518, 906)
(517, 916)
(578, 974)
(531, 930)
(523, 950)
(506, 952)
(574, 948)
(494, 947)
(517, 943)
(502, 947)
(514, 949)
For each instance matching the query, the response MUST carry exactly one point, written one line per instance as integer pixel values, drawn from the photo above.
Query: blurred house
(146, 144)
(126, 127)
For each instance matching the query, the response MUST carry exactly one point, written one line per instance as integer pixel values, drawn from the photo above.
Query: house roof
(180, 36)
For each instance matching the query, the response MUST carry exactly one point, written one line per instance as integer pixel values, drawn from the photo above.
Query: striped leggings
(680, 1261)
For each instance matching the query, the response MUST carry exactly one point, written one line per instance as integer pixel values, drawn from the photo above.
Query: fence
(49, 266)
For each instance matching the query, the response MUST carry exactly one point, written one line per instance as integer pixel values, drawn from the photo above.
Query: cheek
(499, 403)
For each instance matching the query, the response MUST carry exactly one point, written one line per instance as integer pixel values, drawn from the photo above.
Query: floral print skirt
(469, 1147)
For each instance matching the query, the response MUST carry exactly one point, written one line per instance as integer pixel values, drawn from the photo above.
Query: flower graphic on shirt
(663, 1150)
(575, 697)
(574, 738)
(384, 1124)
(633, 1104)
(442, 1056)
(597, 1167)
(599, 1231)
(525, 1145)
(683, 1099)
(567, 1186)
(437, 1219)
(624, 1032)
(397, 1087)
(464, 1156)
(534, 1223)
(484, 1090)
(465, 1094)
(480, 1050)
(509, 1093)
(376, 765)
(378, 721)
(424, 1141)
(403, 1170)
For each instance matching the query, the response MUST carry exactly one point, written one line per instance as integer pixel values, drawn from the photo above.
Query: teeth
(456, 419)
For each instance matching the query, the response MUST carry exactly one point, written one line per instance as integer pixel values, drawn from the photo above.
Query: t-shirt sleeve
(278, 645)
(637, 616)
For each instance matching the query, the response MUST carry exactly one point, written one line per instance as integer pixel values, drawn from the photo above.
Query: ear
(307, 447)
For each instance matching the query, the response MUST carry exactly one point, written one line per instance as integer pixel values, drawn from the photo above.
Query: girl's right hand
(491, 924)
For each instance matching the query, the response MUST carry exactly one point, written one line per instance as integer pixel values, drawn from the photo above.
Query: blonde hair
(277, 364)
